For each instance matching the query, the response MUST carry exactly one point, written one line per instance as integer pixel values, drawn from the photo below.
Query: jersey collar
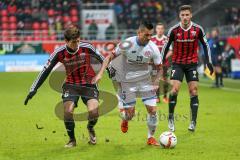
(187, 28)
(138, 42)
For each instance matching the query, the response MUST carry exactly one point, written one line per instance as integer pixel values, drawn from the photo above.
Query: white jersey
(132, 63)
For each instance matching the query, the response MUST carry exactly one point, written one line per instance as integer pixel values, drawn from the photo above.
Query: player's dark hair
(185, 7)
(71, 32)
(146, 24)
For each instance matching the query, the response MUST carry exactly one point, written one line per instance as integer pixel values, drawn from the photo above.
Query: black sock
(92, 123)
(171, 105)
(216, 79)
(70, 125)
(221, 78)
(194, 107)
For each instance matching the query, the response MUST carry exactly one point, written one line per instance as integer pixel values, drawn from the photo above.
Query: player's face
(160, 30)
(73, 43)
(185, 17)
(145, 35)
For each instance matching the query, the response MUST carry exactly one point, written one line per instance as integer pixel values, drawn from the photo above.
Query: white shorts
(129, 91)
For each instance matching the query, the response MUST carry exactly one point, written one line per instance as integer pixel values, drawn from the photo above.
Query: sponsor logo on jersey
(147, 53)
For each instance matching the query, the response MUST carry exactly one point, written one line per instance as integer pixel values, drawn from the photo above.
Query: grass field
(217, 135)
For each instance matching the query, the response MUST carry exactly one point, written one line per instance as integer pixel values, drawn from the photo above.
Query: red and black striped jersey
(186, 43)
(160, 42)
(78, 65)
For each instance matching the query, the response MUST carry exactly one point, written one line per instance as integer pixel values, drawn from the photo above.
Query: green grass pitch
(217, 135)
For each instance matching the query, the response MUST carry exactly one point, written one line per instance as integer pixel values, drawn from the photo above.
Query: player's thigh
(191, 73)
(69, 95)
(127, 94)
(177, 72)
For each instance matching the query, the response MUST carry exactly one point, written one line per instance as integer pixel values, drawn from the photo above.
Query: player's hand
(29, 96)
(96, 79)
(210, 67)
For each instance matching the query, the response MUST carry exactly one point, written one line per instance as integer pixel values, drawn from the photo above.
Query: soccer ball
(168, 139)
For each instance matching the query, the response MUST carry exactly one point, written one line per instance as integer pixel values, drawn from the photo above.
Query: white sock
(152, 122)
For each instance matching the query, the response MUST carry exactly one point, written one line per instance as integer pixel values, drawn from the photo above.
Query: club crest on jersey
(193, 33)
(179, 34)
(147, 53)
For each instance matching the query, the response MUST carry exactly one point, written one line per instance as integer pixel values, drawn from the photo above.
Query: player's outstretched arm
(52, 61)
(105, 63)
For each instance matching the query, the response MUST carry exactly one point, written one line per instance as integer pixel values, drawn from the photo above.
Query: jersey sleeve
(166, 47)
(205, 45)
(52, 61)
(157, 56)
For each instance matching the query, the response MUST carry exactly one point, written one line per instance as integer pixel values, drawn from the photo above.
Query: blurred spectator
(92, 30)
(227, 55)
(110, 32)
(216, 54)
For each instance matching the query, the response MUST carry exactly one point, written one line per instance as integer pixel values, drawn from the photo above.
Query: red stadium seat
(45, 38)
(13, 26)
(74, 19)
(5, 33)
(53, 37)
(28, 38)
(37, 38)
(14, 38)
(44, 32)
(66, 19)
(51, 12)
(44, 25)
(36, 26)
(36, 33)
(4, 19)
(4, 12)
(74, 12)
(4, 26)
(12, 19)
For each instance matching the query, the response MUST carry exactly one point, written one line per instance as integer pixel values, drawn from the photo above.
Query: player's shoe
(192, 126)
(124, 126)
(165, 100)
(152, 141)
(92, 136)
(72, 143)
(158, 100)
(171, 125)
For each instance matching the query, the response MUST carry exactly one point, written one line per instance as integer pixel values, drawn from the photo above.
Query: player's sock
(70, 125)
(217, 80)
(152, 121)
(172, 103)
(221, 79)
(92, 123)
(194, 107)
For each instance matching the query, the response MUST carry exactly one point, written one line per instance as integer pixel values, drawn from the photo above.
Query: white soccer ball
(168, 139)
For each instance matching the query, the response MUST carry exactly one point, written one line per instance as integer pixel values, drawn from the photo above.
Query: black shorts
(72, 92)
(189, 70)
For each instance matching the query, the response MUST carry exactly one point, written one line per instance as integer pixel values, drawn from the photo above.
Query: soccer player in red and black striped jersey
(185, 37)
(160, 40)
(81, 80)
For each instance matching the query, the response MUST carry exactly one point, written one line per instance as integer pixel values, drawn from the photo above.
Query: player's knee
(152, 119)
(193, 91)
(175, 90)
(93, 114)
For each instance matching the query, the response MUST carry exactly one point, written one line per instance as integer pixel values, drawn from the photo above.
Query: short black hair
(146, 24)
(185, 7)
(71, 33)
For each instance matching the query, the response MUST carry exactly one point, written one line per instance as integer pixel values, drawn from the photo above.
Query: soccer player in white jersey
(133, 75)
